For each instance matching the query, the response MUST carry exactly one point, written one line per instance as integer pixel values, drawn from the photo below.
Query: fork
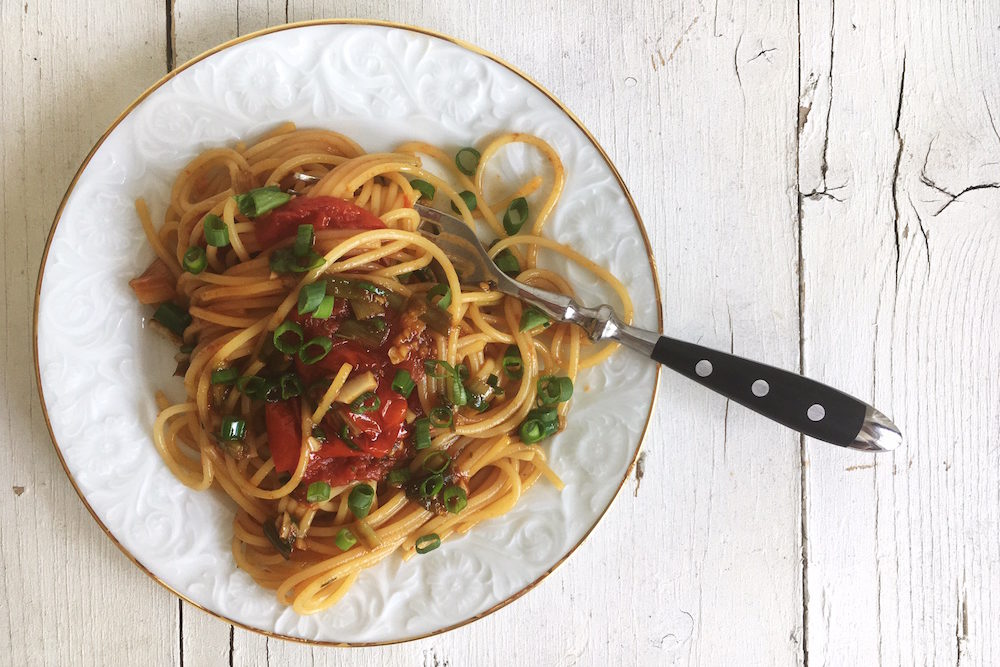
(793, 400)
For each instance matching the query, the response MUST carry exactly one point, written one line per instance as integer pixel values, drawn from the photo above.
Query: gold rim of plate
(239, 40)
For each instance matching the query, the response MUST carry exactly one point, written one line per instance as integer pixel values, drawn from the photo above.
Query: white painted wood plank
(711, 541)
(66, 71)
(902, 549)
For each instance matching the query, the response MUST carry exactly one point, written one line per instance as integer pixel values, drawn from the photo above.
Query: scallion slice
(552, 389)
(288, 337)
(325, 309)
(513, 366)
(360, 500)
(468, 198)
(467, 160)
(315, 349)
(516, 216)
(318, 492)
(303, 240)
(426, 543)
(173, 317)
(311, 296)
(195, 259)
(422, 433)
(425, 189)
(430, 487)
(507, 262)
(233, 428)
(532, 318)
(366, 402)
(403, 384)
(442, 291)
(345, 539)
(225, 375)
(283, 260)
(437, 462)
(539, 424)
(216, 231)
(291, 386)
(253, 387)
(455, 499)
(261, 200)
(441, 417)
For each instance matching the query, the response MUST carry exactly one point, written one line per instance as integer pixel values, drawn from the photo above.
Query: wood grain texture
(66, 590)
(810, 206)
(902, 549)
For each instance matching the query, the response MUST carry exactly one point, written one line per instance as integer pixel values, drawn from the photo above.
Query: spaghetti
(343, 387)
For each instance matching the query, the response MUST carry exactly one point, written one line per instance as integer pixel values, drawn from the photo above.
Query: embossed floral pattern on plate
(100, 366)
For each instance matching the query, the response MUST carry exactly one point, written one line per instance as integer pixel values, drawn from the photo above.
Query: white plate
(98, 366)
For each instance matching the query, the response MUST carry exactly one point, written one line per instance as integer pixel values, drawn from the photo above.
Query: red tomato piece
(320, 212)
(284, 433)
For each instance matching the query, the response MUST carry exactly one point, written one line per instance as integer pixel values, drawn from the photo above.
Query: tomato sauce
(379, 439)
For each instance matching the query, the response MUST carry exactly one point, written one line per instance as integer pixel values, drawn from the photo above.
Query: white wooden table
(819, 180)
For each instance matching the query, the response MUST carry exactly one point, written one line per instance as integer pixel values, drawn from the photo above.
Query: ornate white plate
(98, 365)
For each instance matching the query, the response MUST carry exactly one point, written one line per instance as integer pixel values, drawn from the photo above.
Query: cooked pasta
(343, 387)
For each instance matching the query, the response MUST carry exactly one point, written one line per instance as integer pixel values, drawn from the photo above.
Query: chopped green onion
(303, 240)
(233, 428)
(311, 296)
(507, 262)
(516, 216)
(360, 500)
(345, 435)
(442, 291)
(531, 431)
(467, 160)
(455, 391)
(431, 486)
(468, 198)
(252, 386)
(319, 433)
(438, 369)
(398, 477)
(261, 200)
(291, 386)
(195, 259)
(426, 543)
(533, 318)
(513, 366)
(425, 189)
(437, 462)
(552, 389)
(463, 371)
(494, 381)
(288, 337)
(315, 349)
(325, 308)
(441, 417)
(216, 231)
(345, 539)
(225, 376)
(283, 260)
(172, 317)
(403, 384)
(455, 499)
(539, 424)
(422, 433)
(366, 402)
(318, 492)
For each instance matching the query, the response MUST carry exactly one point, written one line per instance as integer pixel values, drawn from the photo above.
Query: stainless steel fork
(805, 405)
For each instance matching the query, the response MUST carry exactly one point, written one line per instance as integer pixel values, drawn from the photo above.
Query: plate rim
(468, 46)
